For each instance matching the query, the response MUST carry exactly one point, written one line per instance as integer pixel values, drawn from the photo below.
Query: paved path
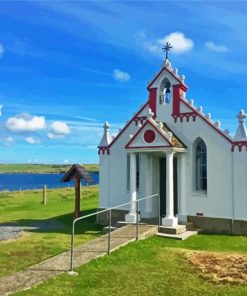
(52, 267)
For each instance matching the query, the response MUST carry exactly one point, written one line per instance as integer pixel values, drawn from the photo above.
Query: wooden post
(77, 197)
(44, 195)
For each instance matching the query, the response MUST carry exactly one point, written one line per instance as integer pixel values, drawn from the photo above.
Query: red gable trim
(208, 122)
(128, 124)
(147, 147)
(185, 87)
(140, 130)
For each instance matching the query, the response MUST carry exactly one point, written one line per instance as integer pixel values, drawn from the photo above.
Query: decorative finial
(166, 48)
(106, 138)
(241, 133)
(106, 126)
(150, 113)
(241, 116)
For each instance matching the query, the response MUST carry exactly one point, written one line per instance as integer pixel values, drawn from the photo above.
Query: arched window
(201, 165)
(165, 92)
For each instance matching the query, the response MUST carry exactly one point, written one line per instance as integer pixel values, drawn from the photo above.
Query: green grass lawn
(25, 208)
(156, 266)
(42, 168)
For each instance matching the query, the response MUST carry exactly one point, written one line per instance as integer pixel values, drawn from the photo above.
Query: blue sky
(66, 67)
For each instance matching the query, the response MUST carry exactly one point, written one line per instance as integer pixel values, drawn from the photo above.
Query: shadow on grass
(57, 224)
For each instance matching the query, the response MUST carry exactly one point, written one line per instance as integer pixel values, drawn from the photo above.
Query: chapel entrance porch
(161, 172)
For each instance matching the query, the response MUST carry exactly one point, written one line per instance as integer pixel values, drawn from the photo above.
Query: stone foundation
(219, 225)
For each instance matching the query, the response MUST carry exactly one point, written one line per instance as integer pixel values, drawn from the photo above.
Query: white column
(170, 219)
(147, 184)
(131, 216)
(182, 216)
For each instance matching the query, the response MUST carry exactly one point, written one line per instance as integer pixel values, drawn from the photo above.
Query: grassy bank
(156, 266)
(41, 168)
(25, 208)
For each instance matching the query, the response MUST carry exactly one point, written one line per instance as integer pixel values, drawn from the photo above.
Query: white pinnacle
(106, 138)
(241, 133)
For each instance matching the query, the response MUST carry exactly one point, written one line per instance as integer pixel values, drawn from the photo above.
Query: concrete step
(182, 236)
(189, 226)
(179, 229)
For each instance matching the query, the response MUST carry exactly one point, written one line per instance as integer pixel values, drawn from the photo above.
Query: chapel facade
(171, 148)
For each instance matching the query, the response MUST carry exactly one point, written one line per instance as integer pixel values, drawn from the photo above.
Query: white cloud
(2, 50)
(180, 43)
(9, 141)
(66, 161)
(1, 107)
(215, 47)
(86, 118)
(120, 75)
(60, 128)
(25, 123)
(31, 140)
(52, 136)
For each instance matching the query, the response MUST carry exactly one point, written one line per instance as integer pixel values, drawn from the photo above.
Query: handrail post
(72, 247)
(137, 220)
(109, 233)
(159, 222)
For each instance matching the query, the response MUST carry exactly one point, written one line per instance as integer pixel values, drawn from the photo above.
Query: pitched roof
(175, 141)
(165, 137)
(77, 171)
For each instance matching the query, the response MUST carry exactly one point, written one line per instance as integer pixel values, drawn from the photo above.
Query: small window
(137, 171)
(201, 166)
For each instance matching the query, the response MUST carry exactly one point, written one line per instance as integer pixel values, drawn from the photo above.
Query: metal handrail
(109, 230)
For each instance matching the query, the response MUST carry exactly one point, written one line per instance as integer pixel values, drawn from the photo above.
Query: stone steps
(179, 232)
(182, 236)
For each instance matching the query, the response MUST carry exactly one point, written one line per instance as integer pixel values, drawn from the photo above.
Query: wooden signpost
(77, 173)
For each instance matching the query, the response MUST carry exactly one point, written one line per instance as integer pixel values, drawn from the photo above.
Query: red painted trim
(186, 115)
(140, 119)
(102, 150)
(149, 136)
(240, 145)
(146, 147)
(128, 124)
(153, 100)
(140, 130)
(176, 99)
(208, 122)
(170, 72)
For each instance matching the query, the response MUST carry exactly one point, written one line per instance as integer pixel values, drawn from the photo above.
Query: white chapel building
(171, 148)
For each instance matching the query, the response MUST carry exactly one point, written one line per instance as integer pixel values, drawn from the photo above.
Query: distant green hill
(41, 168)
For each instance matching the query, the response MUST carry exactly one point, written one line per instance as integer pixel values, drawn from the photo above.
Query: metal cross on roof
(167, 47)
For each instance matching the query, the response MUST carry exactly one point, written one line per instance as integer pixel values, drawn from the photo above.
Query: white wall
(117, 175)
(240, 184)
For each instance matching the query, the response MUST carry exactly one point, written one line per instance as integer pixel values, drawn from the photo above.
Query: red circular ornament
(149, 136)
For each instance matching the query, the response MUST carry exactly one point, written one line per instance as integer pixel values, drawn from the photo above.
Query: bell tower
(166, 90)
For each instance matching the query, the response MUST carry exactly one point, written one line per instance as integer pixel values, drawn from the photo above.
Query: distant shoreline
(42, 168)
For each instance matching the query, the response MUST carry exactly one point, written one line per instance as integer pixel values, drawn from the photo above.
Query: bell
(168, 91)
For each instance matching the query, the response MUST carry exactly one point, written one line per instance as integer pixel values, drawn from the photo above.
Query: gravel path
(83, 254)
(14, 231)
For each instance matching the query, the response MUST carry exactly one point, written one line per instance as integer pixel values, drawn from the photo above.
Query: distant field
(41, 168)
